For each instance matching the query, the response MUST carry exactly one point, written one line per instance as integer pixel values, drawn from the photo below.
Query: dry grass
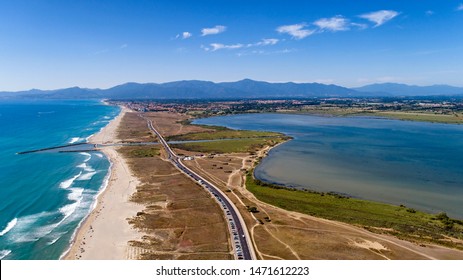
(134, 129)
(180, 219)
(170, 124)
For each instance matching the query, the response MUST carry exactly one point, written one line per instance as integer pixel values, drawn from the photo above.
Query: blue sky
(63, 43)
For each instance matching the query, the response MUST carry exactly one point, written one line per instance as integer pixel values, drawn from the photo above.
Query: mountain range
(246, 88)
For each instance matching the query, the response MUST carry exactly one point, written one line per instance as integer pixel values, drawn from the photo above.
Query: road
(241, 241)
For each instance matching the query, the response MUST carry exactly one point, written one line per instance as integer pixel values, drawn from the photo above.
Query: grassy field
(141, 151)
(423, 117)
(224, 133)
(456, 118)
(134, 129)
(246, 145)
(403, 222)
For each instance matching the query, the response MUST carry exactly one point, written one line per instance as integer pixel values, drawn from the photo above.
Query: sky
(53, 44)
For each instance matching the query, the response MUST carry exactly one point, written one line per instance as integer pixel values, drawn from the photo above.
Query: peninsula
(158, 202)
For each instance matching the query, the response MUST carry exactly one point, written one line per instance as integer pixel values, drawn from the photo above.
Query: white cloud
(360, 26)
(336, 23)
(380, 17)
(264, 52)
(216, 46)
(213, 30)
(264, 42)
(186, 35)
(460, 7)
(297, 31)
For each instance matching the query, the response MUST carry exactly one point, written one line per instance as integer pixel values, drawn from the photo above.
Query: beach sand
(105, 234)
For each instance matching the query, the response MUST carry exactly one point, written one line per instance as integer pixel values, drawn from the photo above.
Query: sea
(416, 164)
(45, 196)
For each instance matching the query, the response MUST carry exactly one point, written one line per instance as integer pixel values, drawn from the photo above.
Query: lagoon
(416, 164)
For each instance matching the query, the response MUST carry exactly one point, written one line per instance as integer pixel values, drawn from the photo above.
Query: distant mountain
(394, 89)
(67, 93)
(256, 89)
(240, 89)
(227, 90)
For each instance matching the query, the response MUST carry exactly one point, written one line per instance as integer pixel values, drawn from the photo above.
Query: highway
(240, 239)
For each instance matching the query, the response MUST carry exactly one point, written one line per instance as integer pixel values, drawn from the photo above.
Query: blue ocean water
(44, 196)
(417, 164)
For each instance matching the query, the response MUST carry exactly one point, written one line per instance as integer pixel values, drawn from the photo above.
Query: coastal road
(239, 235)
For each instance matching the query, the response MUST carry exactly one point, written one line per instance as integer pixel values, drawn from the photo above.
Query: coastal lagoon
(416, 164)
(45, 196)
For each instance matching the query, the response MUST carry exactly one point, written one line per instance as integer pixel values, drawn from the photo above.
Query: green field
(223, 133)
(455, 118)
(245, 145)
(406, 223)
(423, 117)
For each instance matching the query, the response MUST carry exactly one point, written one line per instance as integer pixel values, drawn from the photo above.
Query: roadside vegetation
(401, 221)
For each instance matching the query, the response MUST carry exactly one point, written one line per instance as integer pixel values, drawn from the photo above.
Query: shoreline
(94, 238)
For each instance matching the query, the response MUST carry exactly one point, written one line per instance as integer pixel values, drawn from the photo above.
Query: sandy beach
(105, 234)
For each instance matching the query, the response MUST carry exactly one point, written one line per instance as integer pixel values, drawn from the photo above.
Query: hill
(394, 89)
(246, 88)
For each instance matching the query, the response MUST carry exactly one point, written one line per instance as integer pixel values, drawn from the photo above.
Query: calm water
(412, 163)
(44, 196)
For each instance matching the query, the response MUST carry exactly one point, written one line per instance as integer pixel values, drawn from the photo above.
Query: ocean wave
(89, 156)
(75, 139)
(26, 229)
(100, 122)
(67, 210)
(86, 176)
(4, 253)
(85, 167)
(75, 194)
(92, 203)
(55, 237)
(66, 184)
(9, 226)
(99, 155)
